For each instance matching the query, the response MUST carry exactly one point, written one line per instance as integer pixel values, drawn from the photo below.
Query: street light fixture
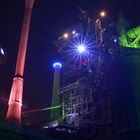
(81, 48)
(102, 14)
(73, 32)
(1, 51)
(65, 35)
(2, 56)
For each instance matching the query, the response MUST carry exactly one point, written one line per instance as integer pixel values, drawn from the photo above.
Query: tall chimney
(55, 113)
(15, 100)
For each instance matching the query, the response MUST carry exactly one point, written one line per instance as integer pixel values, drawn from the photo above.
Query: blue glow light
(81, 48)
(57, 65)
(115, 40)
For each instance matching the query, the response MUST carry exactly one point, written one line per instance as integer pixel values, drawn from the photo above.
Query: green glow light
(131, 38)
(44, 109)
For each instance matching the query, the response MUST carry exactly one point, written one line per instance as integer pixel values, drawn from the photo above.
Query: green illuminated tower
(55, 113)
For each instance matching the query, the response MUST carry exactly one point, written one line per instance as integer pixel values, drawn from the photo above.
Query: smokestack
(55, 113)
(15, 100)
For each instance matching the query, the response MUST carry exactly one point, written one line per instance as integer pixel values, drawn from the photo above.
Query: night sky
(50, 18)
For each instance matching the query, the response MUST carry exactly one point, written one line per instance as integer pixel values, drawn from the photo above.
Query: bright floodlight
(1, 51)
(73, 32)
(115, 40)
(102, 13)
(65, 35)
(57, 65)
(81, 48)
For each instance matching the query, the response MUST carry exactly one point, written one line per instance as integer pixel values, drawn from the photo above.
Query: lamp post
(99, 37)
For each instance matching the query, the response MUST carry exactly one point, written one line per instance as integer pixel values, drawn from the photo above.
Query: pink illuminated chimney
(15, 100)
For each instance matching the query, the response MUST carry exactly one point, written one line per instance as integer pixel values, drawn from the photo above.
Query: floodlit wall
(124, 83)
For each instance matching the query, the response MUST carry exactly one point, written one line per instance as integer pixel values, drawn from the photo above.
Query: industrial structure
(99, 90)
(83, 96)
(85, 100)
(55, 113)
(15, 99)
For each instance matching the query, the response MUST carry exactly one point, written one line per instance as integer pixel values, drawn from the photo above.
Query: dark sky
(50, 18)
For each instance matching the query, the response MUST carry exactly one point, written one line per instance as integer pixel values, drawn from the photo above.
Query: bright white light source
(115, 40)
(57, 65)
(102, 14)
(65, 35)
(73, 32)
(1, 51)
(81, 48)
